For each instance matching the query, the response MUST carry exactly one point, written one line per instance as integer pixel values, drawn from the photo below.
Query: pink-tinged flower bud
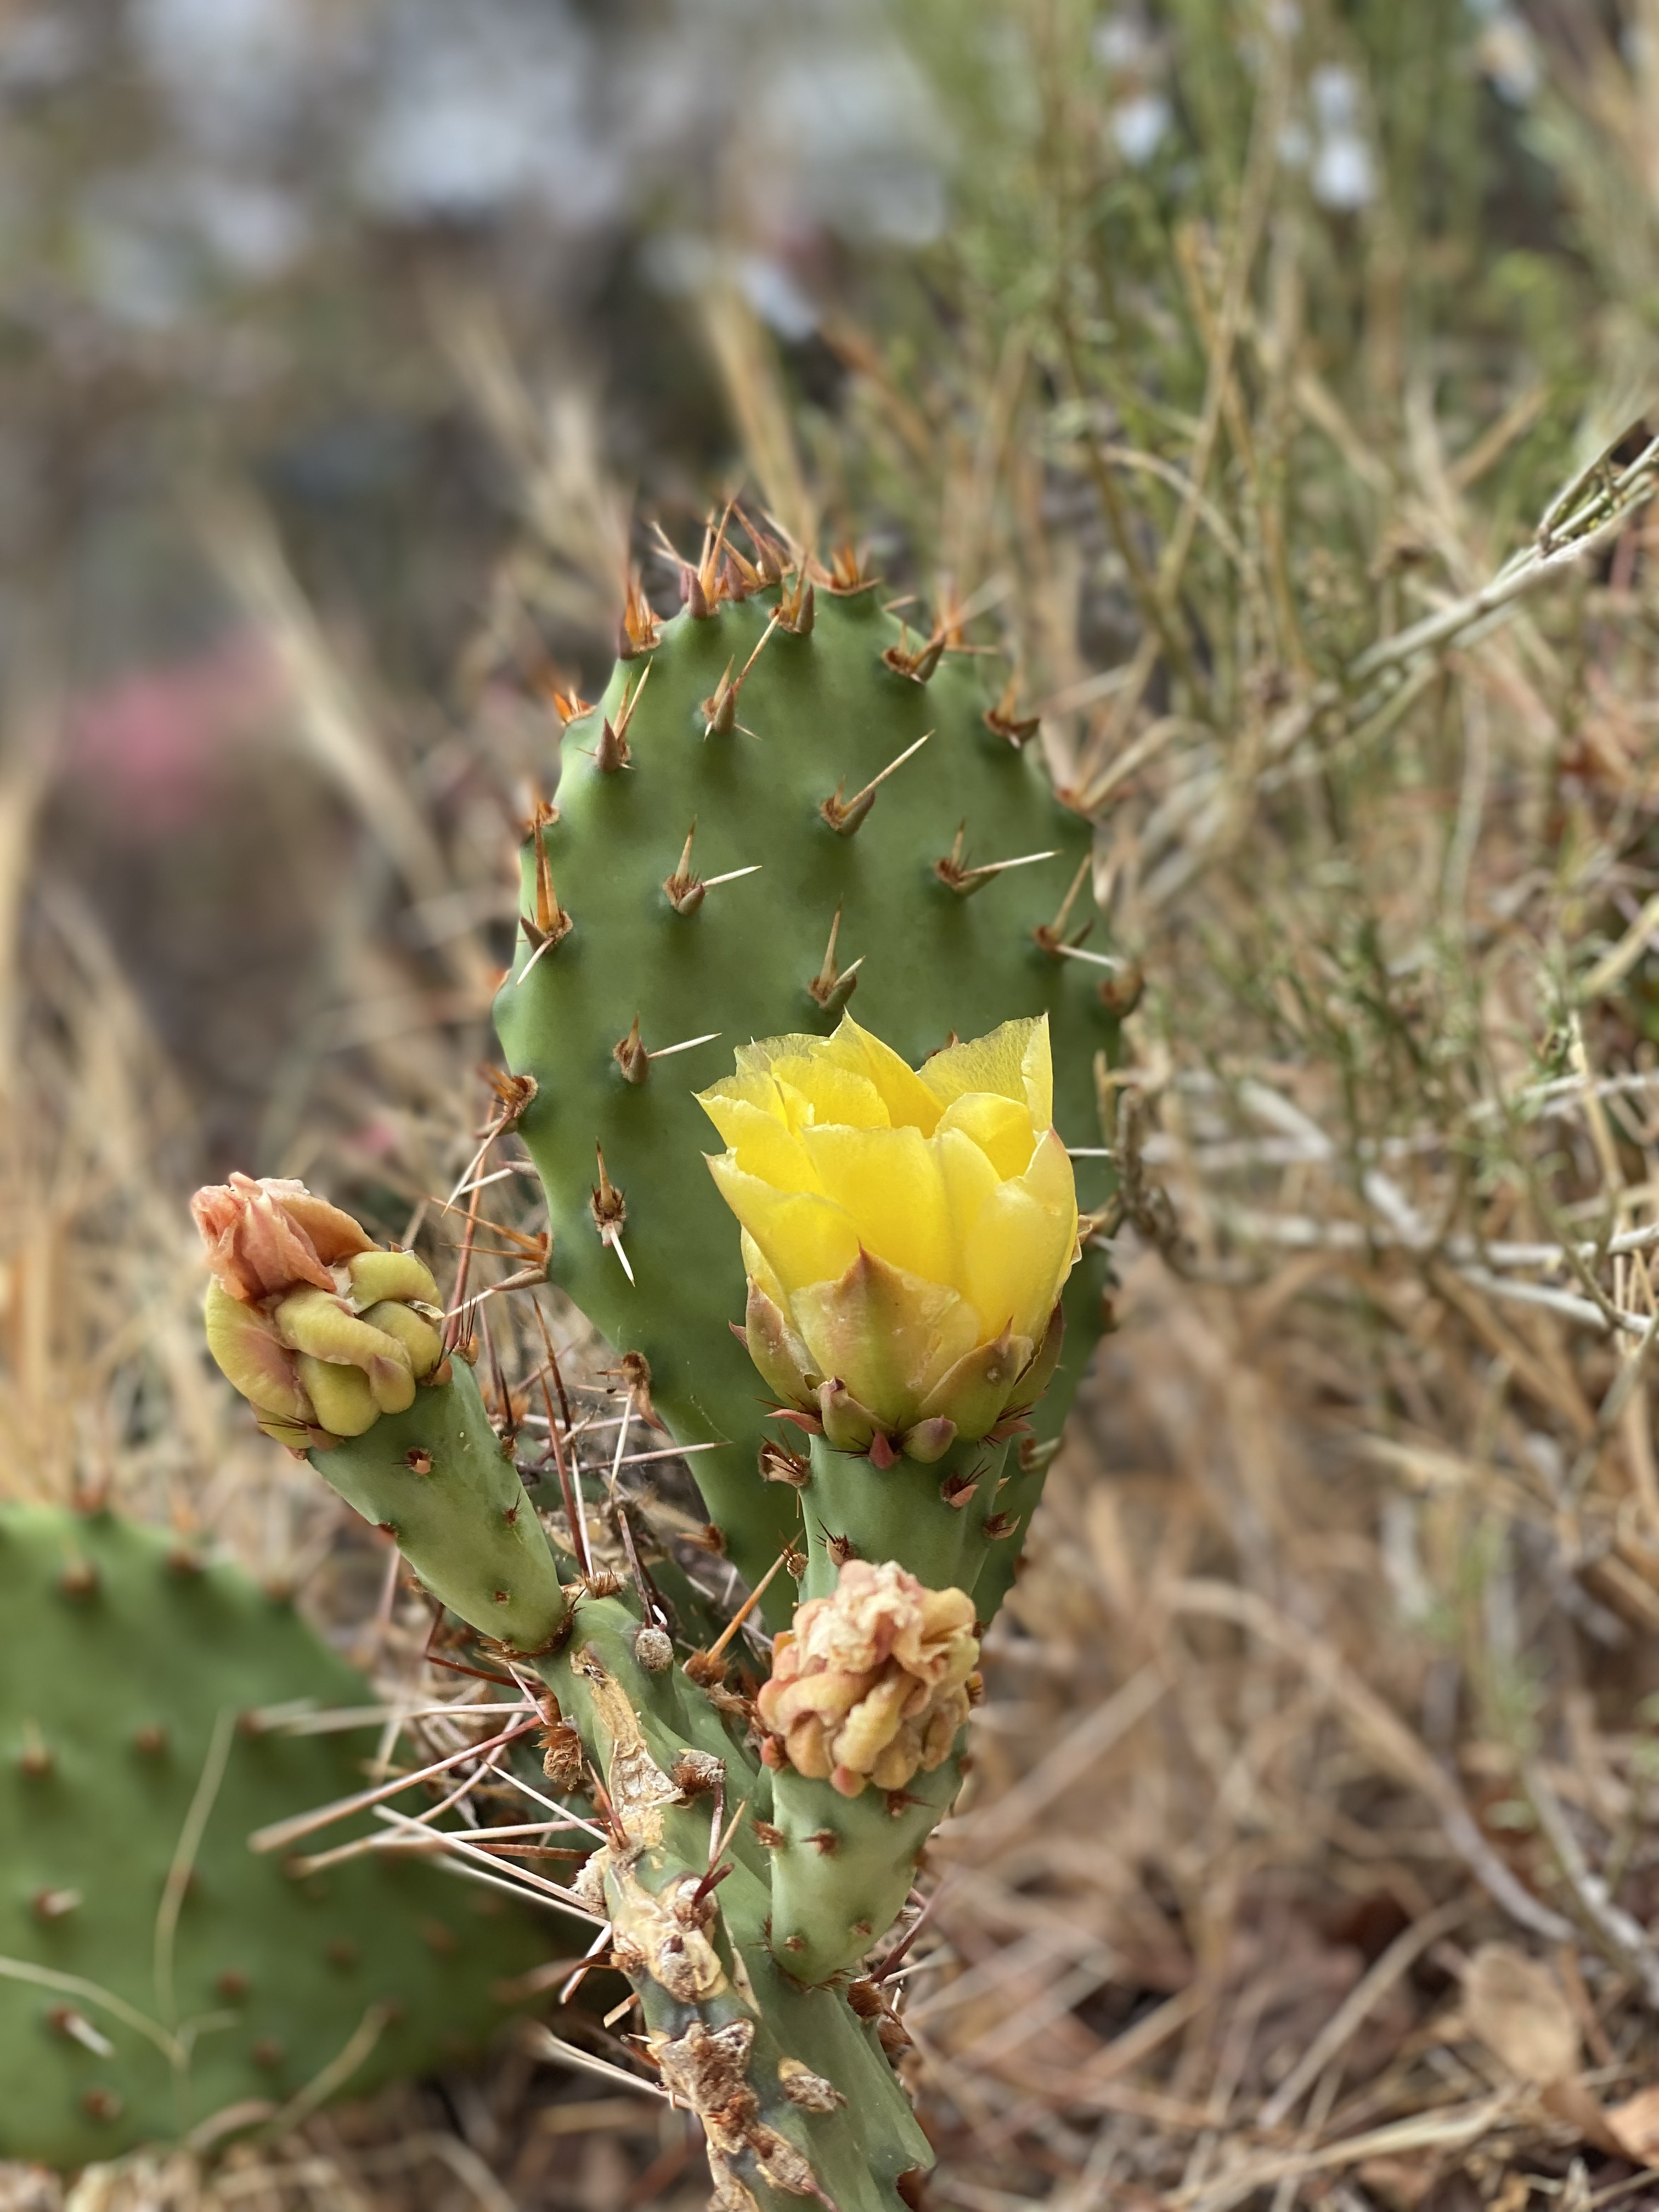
(264, 1238)
(318, 1329)
(870, 1685)
(906, 1232)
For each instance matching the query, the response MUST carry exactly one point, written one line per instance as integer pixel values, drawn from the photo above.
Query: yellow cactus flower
(870, 1684)
(319, 1330)
(906, 1232)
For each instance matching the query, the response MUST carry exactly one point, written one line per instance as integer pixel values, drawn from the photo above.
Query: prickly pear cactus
(154, 1972)
(784, 798)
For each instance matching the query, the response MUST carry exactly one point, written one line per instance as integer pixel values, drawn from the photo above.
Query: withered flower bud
(870, 1685)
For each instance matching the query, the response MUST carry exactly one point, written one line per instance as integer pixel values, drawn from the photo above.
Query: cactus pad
(633, 946)
(146, 1987)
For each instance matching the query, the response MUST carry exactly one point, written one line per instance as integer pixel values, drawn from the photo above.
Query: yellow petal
(1013, 1061)
(888, 1182)
(1050, 1177)
(969, 1180)
(802, 1238)
(757, 1059)
(888, 1335)
(834, 1093)
(761, 1143)
(753, 1086)
(1001, 1127)
(909, 1102)
(1018, 1255)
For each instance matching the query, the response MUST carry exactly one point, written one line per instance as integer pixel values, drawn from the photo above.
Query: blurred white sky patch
(1343, 173)
(474, 109)
(1508, 57)
(1140, 118)
(1140, 125)
(283, 113)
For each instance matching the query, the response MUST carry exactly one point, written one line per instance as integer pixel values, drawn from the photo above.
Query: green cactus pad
(130, 1671)
(826, 713)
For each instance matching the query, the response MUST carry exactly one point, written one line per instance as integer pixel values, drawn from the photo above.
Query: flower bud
(869, 1684)
(319, 1330)
(906, 1232)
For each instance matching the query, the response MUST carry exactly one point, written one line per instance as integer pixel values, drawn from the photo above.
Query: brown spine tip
(150, 1740)
(612, 752)
(826, 1841)
(607, 1205)
(834, 985)
(920, 663)
(101, 2104)
(639, 628)
(777, 1462)
(630, 1054)
(1000, 1525)
(684, 891)
(55, 1903)
(79, 1579)
(696, 599)
(1005, 720)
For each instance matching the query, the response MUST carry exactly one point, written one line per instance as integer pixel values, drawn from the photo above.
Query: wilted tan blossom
(264, 1238)
(870, 1685)
(319, 1330)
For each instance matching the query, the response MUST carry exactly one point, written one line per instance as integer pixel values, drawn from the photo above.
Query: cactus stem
(957, 876)
(845, 815)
